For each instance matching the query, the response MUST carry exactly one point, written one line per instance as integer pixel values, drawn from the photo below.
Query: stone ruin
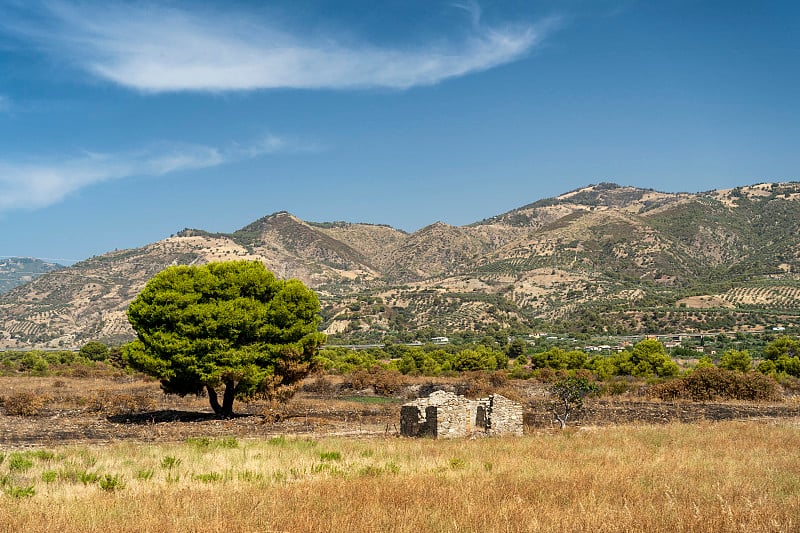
(447, 415)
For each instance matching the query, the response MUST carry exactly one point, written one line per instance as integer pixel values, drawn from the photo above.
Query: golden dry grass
(731, 476)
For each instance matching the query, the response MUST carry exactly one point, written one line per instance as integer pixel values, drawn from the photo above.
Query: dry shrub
(545, 374)
(617, 386)
(383, 381)
(790, 384)
(24, 403)
(479, 384)
(122, 404)
(321, 385)
(706, 384)
(274, 411)
(282, 387)
(93, 370)
(625, 385)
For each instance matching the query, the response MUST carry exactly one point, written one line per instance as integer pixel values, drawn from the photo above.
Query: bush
(520, 372)
(603, 367)
(19, 462)
(34, 363)
(111, 483)
(766, 367)
(321, 385)
(24, 403)
(559, 359)
(384, 382)
(705, 362)
(545, 375)
(706, 384)
(479, 384)
(474, 360)
(94, 351)
(617, 387)
(785, 353)
(122, 404)
(343, 360)
(736, 360)
(20, 492)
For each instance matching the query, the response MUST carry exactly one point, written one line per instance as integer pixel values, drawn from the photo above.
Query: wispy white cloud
(473, 8)
(31, 185)
(156, 48)
(5, 104)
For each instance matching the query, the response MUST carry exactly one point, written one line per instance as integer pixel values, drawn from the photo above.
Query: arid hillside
(601, 259)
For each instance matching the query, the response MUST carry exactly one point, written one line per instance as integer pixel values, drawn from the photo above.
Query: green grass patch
(111, 482)
(19, 462)
(330, 456)
(210, 477)
(206, 443)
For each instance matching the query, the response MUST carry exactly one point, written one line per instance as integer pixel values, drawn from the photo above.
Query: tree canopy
(783, 355)
(736, 360)
(648, 358)
(94, 351)
(231, 324)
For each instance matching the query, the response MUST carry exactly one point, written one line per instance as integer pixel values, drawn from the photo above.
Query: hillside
(16, 271)
(604, 258)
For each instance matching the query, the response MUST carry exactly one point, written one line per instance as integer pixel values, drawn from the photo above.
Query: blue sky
(124, 122)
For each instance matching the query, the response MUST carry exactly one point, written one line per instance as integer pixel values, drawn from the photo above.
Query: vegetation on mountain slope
(16, 271)
(601, 259)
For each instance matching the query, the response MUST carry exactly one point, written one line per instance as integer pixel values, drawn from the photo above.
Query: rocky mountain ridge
(603, 258)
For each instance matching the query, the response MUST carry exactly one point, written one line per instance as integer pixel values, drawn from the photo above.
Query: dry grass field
(722, 476)
(112, 453)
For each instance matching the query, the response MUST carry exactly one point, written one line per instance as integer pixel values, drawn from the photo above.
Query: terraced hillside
(601, 258)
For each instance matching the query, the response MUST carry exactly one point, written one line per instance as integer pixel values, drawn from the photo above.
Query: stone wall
(446, 415)
(504, 417)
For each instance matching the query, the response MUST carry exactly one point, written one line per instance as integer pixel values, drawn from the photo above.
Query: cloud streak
(154, 48)
(33, 185)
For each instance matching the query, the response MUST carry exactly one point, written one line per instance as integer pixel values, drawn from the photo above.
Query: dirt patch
(102, 411)
(705, 302)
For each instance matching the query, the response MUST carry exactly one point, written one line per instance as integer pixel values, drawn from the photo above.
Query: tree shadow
(170, 415)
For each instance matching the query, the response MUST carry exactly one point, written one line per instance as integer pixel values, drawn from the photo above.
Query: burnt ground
(105, 410)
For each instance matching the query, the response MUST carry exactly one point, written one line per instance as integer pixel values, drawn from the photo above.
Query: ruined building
(445, 415)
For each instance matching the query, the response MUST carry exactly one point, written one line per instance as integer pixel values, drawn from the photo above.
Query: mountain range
(601, 259)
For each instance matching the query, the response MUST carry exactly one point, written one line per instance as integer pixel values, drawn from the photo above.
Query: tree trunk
(563, 419)
(212, 398)
(226, 409)
(228, 397)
